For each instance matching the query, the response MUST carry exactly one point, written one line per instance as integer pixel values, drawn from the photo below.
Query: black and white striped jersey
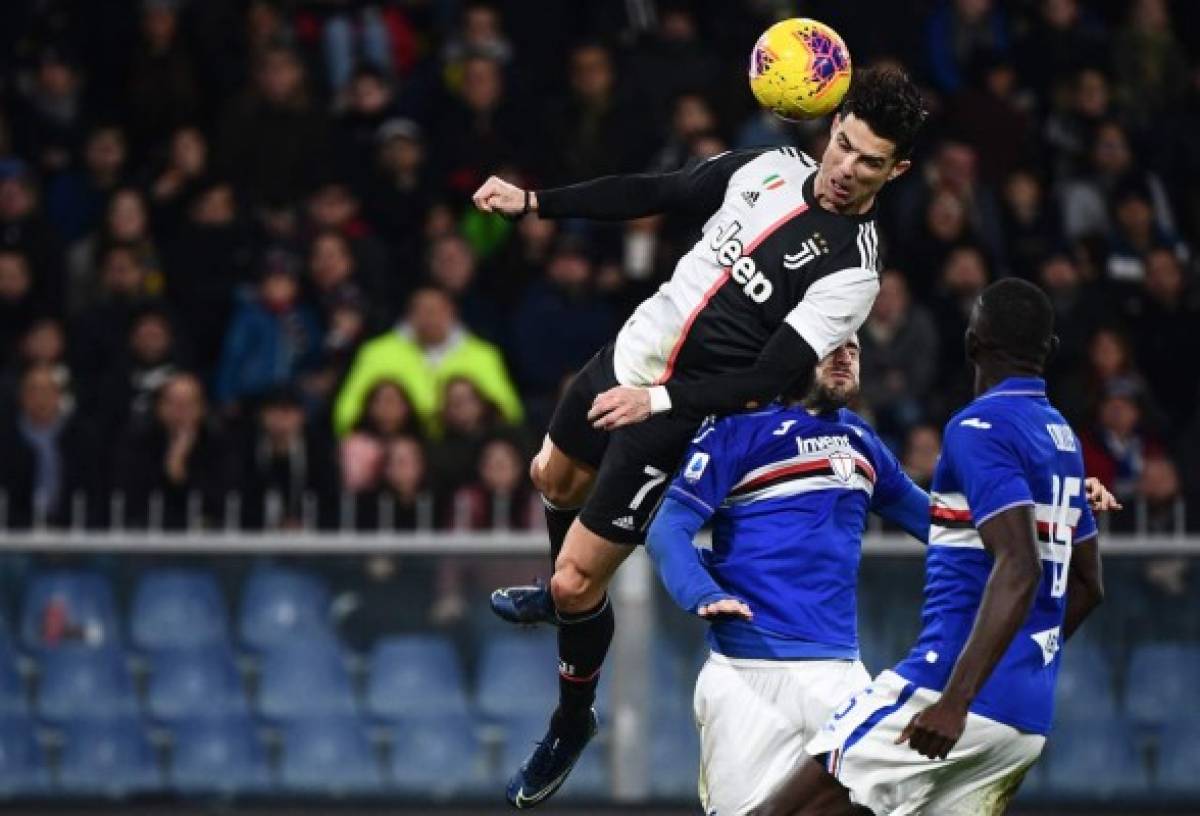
(769, 255)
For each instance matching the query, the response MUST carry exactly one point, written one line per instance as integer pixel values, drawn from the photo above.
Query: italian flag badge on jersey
(773, 181)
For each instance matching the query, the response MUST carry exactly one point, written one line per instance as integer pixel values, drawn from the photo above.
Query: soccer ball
(800, 69)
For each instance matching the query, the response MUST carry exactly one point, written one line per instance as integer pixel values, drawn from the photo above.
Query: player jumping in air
(785, 271)
(1012, 570)
(787, 491)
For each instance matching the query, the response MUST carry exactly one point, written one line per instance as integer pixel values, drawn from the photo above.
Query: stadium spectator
(287, 475)
(955, 32)
(1031, 224)
(151, 357)
(1165, 320)
(1118, 443)
(354, 36)
(173, 471)
(50, 457)
(422, 353)
(369, 102)
(98, 332)
(274, 140)
(1158, 506)
(478, 131)
(1149, 64)
(467, 421)
(209, 259)
(594, 131)
(76, 198)
(334, 207)
(401, 499)
(187, 161)
(963, 276)
(272, 337)
(18, 302)
(345, 320)
(1078, 310)
(50, 120)
(399, 191)
(480, 31)
(558, 325)
(921, 449)
(163, 87)
(387, 415)
(454, 269)
(899, 354)
(1086, 198)
(500, 497)
(126, 223)
(691, 116)
(988, 115)
(1135, 234)
(44, 343)
(1064, 38)
(1070, 126)
(23, 229)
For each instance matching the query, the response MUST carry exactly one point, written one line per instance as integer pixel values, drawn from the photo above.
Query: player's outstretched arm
(698, 188)
(1085, 585)
(1007, 598)
(669, 544)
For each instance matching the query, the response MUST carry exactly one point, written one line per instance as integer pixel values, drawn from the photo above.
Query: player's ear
(1052, 346)
(899, 168)
(971, 344)
(833, 124)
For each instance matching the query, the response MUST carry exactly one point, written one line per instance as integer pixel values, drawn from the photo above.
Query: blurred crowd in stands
(241, 283)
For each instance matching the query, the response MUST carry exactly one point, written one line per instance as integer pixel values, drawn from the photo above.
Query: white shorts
(755, 717)
(978, 778)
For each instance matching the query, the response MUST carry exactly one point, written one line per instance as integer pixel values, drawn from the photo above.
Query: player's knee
(560, 489)
(573, 590)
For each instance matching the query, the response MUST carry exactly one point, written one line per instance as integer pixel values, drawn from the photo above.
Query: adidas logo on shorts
(624, 522)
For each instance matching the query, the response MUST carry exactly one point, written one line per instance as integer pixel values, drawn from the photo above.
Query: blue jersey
(1009, 447)
(788, 494)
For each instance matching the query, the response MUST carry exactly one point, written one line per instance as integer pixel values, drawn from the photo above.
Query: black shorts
(634, 465)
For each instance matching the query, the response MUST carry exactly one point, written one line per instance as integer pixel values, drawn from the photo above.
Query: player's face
(854, 166)
(836, 376)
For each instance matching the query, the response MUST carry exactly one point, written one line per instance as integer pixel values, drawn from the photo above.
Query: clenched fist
(498, 196)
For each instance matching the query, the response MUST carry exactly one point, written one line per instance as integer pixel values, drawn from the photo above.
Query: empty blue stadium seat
(329, 755)
(1161, 681)
(188, 683)
(69, 607)
(107, 757)
(415, 674)
(177, 608)
(23, 769)
(1085, 684)
(78, 683)
(218, 755)
(281, 606)
(1096, 760)
(13, 698)
(1178, 760)
(590, 778)
(304, 679)
(437, 756)
(518, 673)
(674, 757)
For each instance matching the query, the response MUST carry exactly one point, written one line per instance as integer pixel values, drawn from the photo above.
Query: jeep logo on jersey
(842, 464)
(742, 268)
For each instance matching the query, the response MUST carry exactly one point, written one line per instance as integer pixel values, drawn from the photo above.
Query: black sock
(583, 641)
(558, 521)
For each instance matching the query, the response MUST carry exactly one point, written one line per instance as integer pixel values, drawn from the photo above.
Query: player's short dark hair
(888, 101)
(1016, 320)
